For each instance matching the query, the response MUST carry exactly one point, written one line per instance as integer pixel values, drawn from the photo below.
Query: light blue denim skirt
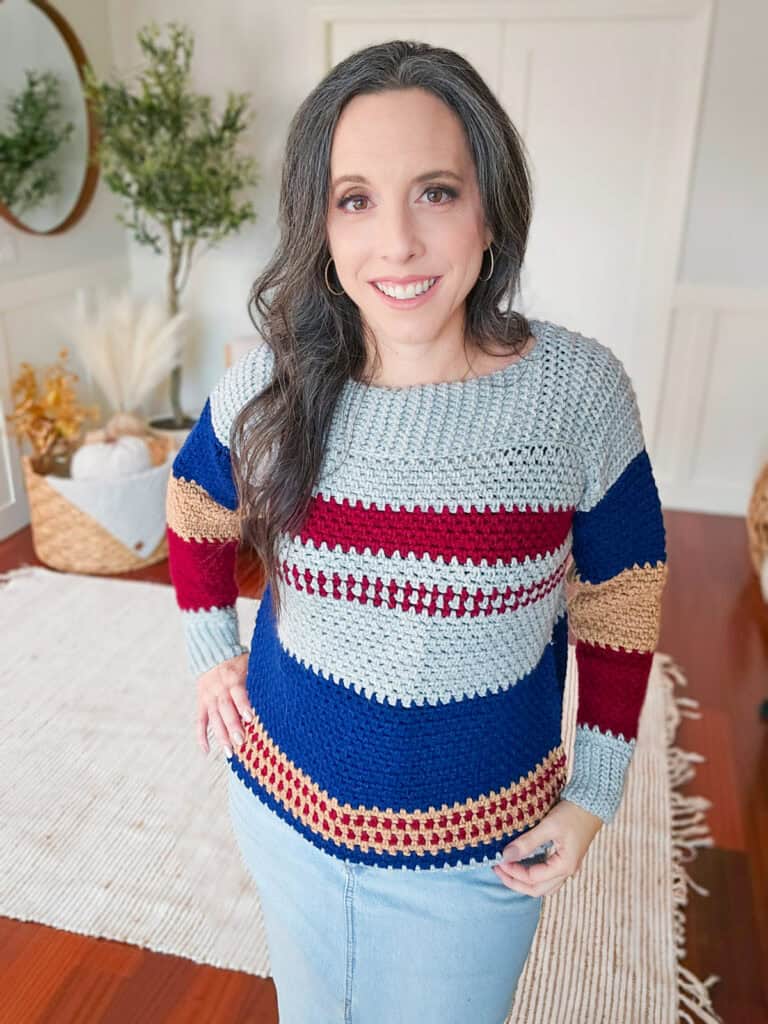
(359, 944)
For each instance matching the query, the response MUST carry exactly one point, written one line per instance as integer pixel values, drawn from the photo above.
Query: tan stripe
(489, 818)
(193, 514)
(624, 611)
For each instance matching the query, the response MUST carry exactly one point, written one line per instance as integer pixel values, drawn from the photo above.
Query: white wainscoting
(710, 438)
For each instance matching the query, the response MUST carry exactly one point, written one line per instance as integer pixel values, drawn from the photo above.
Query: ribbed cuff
(600, 763)
(212, 636)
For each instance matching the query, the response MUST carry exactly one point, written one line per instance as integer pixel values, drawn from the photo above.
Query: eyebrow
(359, 179)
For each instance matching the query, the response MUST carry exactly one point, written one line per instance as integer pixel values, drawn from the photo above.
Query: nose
(397, 234)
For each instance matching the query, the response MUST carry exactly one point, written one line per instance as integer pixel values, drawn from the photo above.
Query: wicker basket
(757, 521)
(68, 538)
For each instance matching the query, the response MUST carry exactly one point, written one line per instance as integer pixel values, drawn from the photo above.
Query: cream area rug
(114, 823)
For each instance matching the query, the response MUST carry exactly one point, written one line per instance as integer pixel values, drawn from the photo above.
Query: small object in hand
(539, 855)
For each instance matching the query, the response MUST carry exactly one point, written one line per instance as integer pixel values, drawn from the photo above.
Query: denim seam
(349, 888)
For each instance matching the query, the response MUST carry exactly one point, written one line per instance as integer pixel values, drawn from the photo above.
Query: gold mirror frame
(92, 170)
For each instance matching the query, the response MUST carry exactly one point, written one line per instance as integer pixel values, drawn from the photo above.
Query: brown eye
(349, 199)
(450, 193)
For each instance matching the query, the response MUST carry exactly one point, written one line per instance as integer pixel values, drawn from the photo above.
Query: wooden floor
(715, 626)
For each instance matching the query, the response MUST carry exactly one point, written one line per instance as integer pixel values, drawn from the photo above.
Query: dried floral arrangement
(128, 346)
(49, 416)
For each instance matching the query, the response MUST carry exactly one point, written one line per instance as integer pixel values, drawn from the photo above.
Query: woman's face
(395, 226)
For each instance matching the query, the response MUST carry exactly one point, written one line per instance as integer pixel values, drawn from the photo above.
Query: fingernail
(246, 716)
(238, 739)
(227, 751)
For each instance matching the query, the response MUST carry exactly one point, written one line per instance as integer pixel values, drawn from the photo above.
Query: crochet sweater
(408, 705)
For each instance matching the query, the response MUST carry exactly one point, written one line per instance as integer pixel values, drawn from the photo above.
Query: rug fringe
(699, 1001)
(689, 832)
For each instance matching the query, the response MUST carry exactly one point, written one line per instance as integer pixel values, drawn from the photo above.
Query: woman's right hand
(222, 703)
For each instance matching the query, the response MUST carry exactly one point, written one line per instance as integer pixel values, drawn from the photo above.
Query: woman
(415, 463)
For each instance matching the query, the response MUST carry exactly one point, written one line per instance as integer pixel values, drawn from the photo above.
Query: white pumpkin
(111, 459)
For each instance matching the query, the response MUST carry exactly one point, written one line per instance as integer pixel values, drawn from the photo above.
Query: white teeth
(406, 291)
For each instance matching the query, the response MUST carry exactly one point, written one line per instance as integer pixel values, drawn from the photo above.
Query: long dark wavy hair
(317, 337)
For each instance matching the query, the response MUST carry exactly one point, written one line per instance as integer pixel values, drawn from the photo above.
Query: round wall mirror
(47, 128)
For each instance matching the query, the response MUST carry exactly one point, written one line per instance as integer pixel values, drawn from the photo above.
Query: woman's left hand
(571, 829)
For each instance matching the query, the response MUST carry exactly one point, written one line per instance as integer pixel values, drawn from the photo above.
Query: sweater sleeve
(617, 578)
(203, 523)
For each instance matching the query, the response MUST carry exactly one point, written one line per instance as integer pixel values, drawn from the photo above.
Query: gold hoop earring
(490, 273)
(327, 283)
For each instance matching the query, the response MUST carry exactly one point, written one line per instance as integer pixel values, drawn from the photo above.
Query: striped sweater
(409, 703)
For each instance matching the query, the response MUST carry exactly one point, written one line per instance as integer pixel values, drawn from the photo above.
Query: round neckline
(500, 375)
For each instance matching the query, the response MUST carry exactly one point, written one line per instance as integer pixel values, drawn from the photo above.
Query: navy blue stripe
(362, 751)
(560, 646)
(204, 459)
(625, 528)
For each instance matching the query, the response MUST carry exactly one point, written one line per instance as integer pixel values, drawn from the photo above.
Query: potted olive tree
(177, 167)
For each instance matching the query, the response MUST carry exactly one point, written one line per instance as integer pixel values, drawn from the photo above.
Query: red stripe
(466, 534)
(429, 600)
(615, 683)
(202, 572)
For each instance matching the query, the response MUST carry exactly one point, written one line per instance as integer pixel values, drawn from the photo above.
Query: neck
(459, 368)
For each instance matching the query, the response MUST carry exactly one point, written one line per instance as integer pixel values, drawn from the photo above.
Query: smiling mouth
(406, 297)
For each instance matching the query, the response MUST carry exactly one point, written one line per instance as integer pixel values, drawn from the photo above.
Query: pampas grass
(127, 346)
